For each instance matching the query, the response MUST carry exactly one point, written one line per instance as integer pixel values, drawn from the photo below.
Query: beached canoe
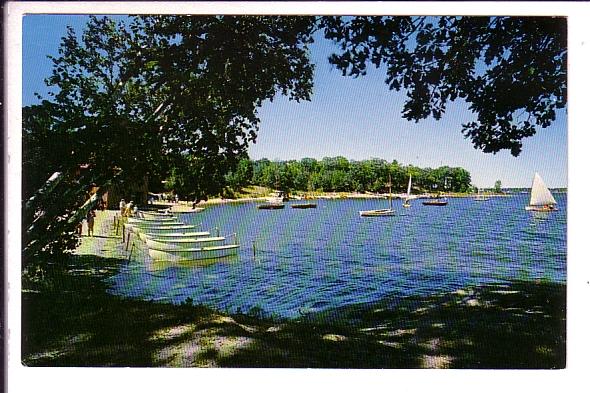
(194, 254)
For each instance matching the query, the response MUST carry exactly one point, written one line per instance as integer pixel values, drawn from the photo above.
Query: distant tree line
(334, 174)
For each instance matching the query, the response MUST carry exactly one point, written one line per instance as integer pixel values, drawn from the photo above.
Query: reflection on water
(294, 261)
(539, 216)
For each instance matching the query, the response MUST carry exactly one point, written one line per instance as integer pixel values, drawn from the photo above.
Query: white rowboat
(194, 254)
(151, 219)
(151, 224)
(153, 215)
(179, 244)
(172, 236)
(169, 227)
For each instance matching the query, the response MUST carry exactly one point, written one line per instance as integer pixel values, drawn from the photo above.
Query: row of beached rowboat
(168, 239)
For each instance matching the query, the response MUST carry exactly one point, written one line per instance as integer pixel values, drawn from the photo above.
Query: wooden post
(127, 245)
(131, 253)
(254, 249)
(123, 232)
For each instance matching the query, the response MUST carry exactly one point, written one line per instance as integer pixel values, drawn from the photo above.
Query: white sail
(409, 187)
(540, 194)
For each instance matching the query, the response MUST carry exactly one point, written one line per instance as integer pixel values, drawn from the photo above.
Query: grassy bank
(77, 323)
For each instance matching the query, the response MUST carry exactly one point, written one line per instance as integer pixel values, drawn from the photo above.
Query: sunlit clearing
(172, 332)
(437, 361)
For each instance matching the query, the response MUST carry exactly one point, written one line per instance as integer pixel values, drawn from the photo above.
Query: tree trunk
(49, 186)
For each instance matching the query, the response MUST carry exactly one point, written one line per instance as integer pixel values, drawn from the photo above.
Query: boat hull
(304, 206)
(146, 228)
(271, 206)
(189, 213)
(179, 244)
(435, 203)
(169, 229)
(541, 208)
(150, 219)
(194, 254)
(173, 235)
(156, 224)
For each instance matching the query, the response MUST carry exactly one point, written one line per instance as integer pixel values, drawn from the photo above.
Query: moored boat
(194, 254)
(151, 219)
(377, 213)
(163, 244)
(172, 236)
(157, 231)
(169, 228)
(153, 214)
(380, 212)
(271, 206)
(436, 202)
(188, 213)
(304, 206)
(480, 197)
(275, 201)
(149, 224)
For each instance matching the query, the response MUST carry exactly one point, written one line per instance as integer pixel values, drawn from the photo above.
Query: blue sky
(355, 118)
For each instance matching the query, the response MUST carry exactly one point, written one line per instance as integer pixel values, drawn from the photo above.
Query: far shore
(182, 205)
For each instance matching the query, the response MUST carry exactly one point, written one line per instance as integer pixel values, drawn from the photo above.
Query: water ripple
(324, 258)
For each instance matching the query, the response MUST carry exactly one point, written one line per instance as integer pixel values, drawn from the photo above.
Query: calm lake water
(309, 260)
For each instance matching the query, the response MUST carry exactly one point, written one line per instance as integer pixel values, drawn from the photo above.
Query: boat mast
(390, 201)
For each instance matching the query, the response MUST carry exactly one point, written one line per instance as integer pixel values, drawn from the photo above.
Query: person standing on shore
(122, 206)
(129, 209)
(90, 221)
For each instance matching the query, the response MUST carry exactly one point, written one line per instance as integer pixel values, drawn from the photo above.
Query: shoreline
(330, 196)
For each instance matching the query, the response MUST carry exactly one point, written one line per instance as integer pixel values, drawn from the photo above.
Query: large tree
(145, 95)
(511, 71)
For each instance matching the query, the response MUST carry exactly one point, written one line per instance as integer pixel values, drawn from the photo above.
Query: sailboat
(541, 198)
(380, 212)
(407, 199)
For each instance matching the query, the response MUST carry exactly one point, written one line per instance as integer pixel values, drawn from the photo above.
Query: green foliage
(160, 96)
(498, 186)
(510, 70)
(339, 174)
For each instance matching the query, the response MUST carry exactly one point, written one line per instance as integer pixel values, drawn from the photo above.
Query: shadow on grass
(513, 325)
